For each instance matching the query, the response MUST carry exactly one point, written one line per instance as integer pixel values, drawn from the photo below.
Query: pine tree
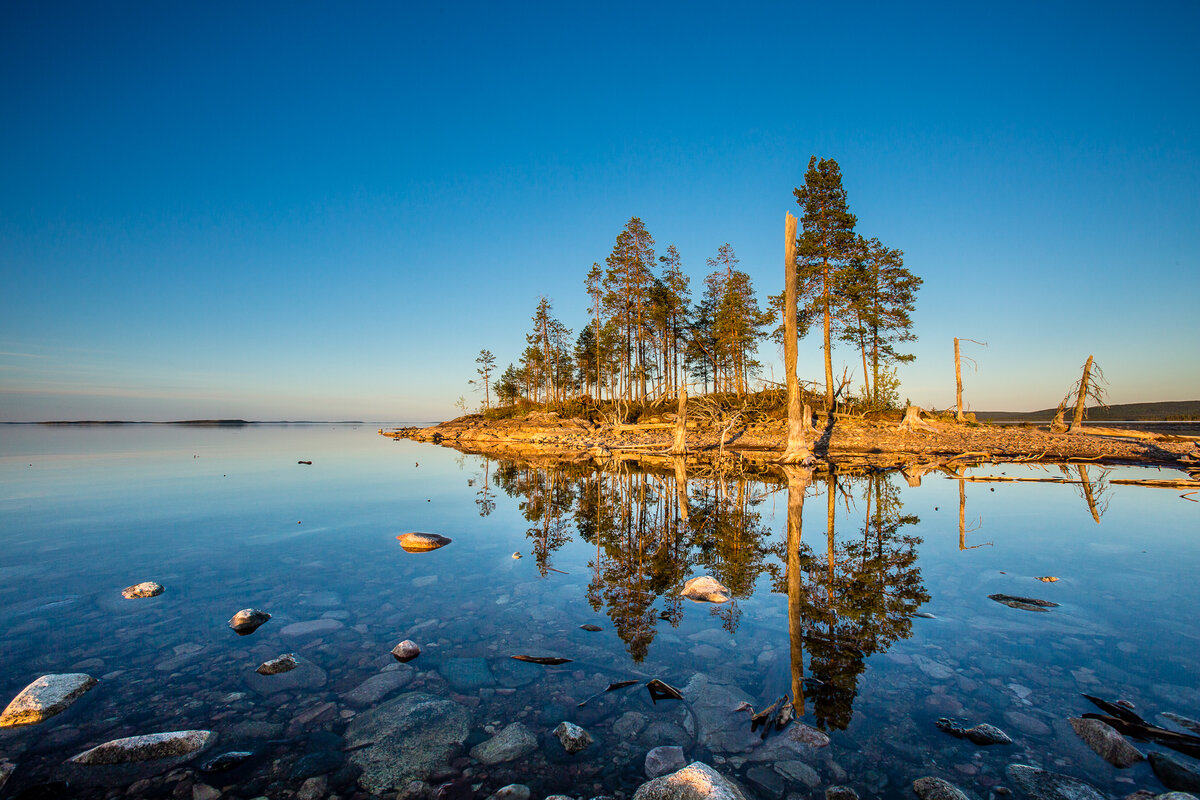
(487, 363)
(826, 246)
(627, 284)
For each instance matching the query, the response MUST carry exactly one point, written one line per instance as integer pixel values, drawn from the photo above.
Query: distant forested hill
(1171, 410)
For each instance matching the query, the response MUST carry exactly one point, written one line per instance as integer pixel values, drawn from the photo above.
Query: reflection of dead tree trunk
(680, 445)
(797, 451)
(912, 421)
(962, 506)
(1088, 494)
(798, 479)
(831, 507)
(1081, 398)
(681, 493)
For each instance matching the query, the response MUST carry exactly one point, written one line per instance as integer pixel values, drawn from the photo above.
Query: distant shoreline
(214, 423)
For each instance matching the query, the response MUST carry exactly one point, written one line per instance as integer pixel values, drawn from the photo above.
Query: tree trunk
(1057, 425)
(958, 415)
(912, 421)
(797, 447)
(1081, 399)
(680, 445)
(798, 479)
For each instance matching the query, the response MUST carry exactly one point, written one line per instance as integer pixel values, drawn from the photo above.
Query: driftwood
(912, 421)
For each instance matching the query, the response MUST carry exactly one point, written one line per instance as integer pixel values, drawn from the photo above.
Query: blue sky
(295, 210)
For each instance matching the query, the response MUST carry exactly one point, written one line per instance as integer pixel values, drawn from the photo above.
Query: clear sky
(301, 210)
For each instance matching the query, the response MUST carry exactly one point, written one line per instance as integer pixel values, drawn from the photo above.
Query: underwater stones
(664, 760)
(512, 742)
(318, 762)
(1174, 774)
(226, 761)
(696, 781)
(705, 589)
(513, 791)
(1106, 742)
(768, 782)
(722, 729)
(406, 651)
(45, 697)
(798, 772)
(6, 771)
(1042, 784)
(840, 793)
(305, 675)
(573, 738)
(143, 589)
(981, 734)
(377, 687)
(1187, 723)
(416, 542)
(248, 620)
(283, 663)
(590, 628)
(148, 747)
(467, 674)
(806, 734)
(1027, 724)
(312, 627)
(1023, 603)
(405, 739)
(930, 788)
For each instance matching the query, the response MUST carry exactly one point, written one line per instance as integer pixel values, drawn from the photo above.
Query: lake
(876, 622)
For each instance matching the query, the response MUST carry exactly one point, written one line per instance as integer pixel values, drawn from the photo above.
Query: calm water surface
(882, 625)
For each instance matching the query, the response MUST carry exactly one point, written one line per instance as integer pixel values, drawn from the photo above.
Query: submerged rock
(6, 770)
(513, 742)
(573, 738)
(664, 760)
(930, 788)
(1023, 603)
(406, 651)
(305, 675)
(514, 791)
(1175, 774)
(769, 783)
(467, 674)
(377, 687)
(149, 747)
(312, 627)
(705, 589)
(284, 663)
(696, 781)
(416, 542)
(1186, 723)
(722, 729)
(143, 589)
(590, 628)
(248, 620)
(45, 697)
(226, 761)
(981, 734)
(840, 793)
(1106, 742)
(405, 739)
(1041, 784)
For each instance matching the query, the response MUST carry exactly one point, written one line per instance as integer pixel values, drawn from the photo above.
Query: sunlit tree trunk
(1081, 399)
(797, 450)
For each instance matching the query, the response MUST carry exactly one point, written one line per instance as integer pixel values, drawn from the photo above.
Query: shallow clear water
(225, 518)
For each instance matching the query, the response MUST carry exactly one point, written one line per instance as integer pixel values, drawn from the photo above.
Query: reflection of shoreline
(653, 530)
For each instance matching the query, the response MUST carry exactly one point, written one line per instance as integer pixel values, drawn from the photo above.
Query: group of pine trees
(645, 337)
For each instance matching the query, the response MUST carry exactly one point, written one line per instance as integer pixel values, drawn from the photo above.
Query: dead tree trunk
(912, 421)
(1081, 398)
(958, 415)
(1057, 425)
(680, 445)
(797, 451)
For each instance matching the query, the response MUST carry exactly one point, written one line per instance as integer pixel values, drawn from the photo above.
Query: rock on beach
(45, 697)
(143, 589)
(148, 747)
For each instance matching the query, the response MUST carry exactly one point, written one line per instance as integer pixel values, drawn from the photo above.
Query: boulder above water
(405, 739)
(143, 589)
(416, 542)
(148, 747)
(696, 781)
(705, 589)
(406, 651)
(45, 697)
(248, 620)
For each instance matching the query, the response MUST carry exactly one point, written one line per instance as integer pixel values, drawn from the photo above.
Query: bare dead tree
(679, 447)
(958, 414)
(912, 421)
(1088, 387)
(1057, 425)
(710, 409)
(799, 421)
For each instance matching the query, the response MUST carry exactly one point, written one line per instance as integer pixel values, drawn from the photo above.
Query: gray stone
(408, 737)
(664, 760)
(514, 791)
(929, 788)
(840, 793)
(45, 697)
(202, 791)
(1174, 774)
(1027, 724)
(282, 663)
(798, 772)
(1041, 784)
(312, 627)
(573, 738)
(629, 725)
(1163, 796)
(1106, 742)
(305, 675)
(985, 734)
(143, 589)
(377, 687)
(149, 747)
(248, 620)
(705, 589)
(6, 770)
(934, 669)
(768, 782)
(696, 781)
(723, 730)
(513, 742)
(313, 788)
(1187, 723)
(467, 674)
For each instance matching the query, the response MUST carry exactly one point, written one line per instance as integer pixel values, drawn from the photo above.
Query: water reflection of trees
(652, 530)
